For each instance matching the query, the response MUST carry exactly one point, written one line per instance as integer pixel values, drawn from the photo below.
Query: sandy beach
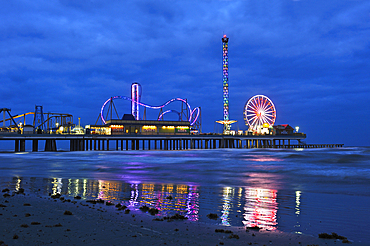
(35, 220)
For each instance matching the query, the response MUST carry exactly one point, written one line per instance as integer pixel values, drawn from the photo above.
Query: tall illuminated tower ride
(135, 99)
(225, 82)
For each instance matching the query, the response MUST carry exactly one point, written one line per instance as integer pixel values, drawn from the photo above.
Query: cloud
(71, 56)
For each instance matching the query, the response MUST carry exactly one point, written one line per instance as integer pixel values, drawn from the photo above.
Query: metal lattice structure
(225, 83)
(38, 121)
(225, 74)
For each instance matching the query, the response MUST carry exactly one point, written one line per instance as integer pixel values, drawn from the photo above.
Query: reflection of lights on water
(297, 208)
(184, 199)
(76, 186)
(134, 194)
(57, 186)
(103, 188)
(192, 204)
(297, 202)
(18, 184)
(84, 187)
(227, 196)
(262, 158)
(260, 208)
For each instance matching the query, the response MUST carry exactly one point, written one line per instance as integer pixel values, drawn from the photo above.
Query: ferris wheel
(258, 111)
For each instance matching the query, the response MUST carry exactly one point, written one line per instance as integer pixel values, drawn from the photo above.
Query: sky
(310, 57)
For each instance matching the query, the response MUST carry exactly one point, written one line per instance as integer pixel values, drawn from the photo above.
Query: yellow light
(168, 127)
(182, 127)
(226, 122)
(117, 126)
(266, 125)
(149, 127)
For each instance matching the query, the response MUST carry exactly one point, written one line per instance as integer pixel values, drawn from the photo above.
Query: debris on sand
(234, 236)
(20, 191)
(333, 235)
(158, 219)
(67, 212)
(144, 208)
(212, 216)
(95, 201)
(175, 217)
(123, 207)
(256, 228)
(56, 196)
(153, 211)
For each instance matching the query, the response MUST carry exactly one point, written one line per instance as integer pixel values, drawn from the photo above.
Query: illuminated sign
(182, 129)
(149, 128)
(116, 126)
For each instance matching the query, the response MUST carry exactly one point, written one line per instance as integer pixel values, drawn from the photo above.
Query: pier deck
(159, 142)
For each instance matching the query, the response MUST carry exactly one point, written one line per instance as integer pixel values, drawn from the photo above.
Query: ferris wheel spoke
(259, 102)
(265, 119)
(269, 111)
(265, 106)
(261, 122)
(253, 104)
(252, 110)
(255, 101)
(254, 121)
(250, 117)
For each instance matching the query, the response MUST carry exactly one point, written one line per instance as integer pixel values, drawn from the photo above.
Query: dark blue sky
(310, 57)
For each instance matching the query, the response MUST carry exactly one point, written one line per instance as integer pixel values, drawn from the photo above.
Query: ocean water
(307, 191)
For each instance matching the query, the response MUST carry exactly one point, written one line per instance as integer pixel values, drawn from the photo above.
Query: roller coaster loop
(193, 114)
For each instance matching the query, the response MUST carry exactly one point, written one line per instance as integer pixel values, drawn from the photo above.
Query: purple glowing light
(135, 98)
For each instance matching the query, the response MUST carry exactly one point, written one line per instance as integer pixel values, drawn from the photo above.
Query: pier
(157, 142)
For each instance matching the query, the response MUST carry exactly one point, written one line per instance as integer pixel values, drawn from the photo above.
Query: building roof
(128, 117)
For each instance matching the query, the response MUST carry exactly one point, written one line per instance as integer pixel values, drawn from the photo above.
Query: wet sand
(35, 220)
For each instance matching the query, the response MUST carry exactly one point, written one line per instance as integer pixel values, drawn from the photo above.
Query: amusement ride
(192, 115)
(259, 112)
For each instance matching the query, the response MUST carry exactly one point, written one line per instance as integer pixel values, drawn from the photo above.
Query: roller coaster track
(193, 113)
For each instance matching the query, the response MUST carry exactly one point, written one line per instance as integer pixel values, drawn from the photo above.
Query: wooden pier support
(35, 145)
(50, 145)
(93, 142)
(16, 145)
